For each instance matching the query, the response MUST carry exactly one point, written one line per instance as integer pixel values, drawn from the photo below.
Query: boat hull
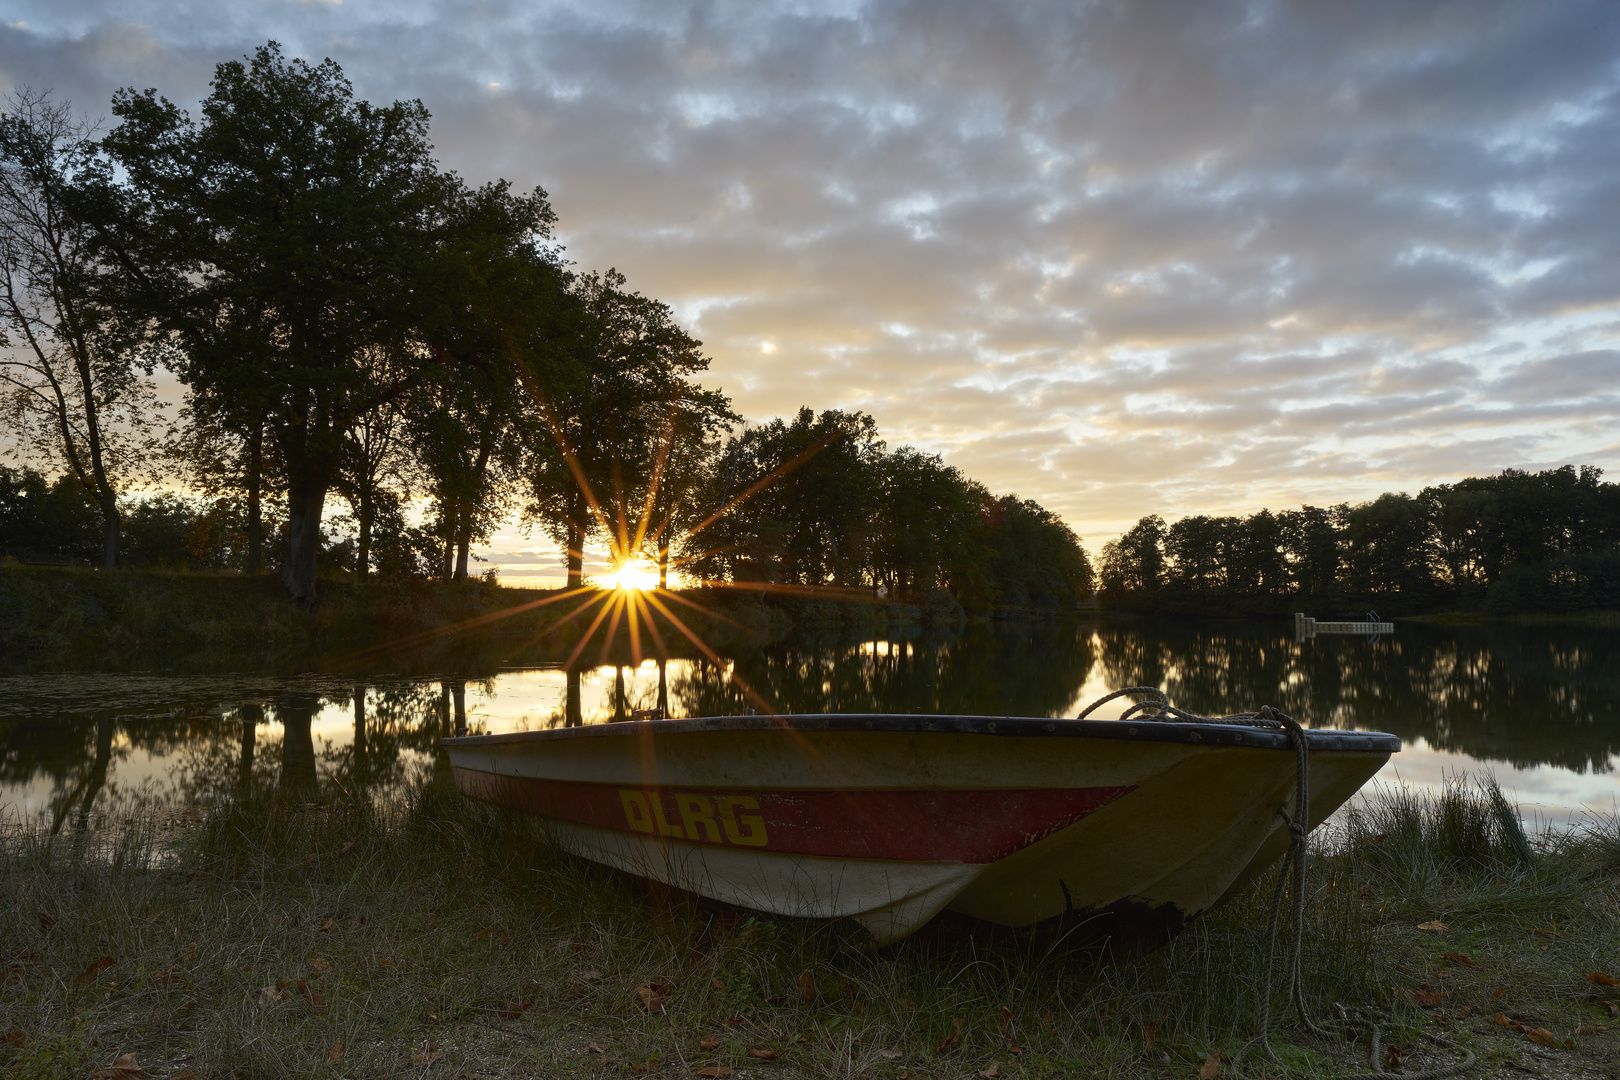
(887, 820)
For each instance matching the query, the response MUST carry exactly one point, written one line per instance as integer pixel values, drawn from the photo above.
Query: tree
(1135, 562)
(76, 364)
(796, 501)
(282, 237)
(608, 421)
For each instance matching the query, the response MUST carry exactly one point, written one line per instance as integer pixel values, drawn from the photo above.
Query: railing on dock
(1307, 627)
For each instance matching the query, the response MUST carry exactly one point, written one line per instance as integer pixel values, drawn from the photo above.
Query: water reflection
(76, 748)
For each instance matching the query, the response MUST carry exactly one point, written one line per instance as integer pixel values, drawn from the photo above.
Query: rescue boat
(1131, 828)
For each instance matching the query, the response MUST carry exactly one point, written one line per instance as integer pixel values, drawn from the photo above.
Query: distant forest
(354, 324)
(1518, 542)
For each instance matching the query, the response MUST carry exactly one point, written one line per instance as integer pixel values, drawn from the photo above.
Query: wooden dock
(1308, 627)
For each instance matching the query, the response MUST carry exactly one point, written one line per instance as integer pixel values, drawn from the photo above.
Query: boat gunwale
(1218, 735)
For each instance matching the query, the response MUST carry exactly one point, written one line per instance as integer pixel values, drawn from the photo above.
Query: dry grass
(437, 938)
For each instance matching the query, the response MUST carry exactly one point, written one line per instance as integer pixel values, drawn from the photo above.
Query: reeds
(347, 938)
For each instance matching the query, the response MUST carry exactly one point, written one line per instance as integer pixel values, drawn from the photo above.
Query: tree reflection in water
(75, 748)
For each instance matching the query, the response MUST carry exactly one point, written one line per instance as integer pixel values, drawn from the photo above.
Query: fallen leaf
(1541, 1035)
(163, 978)
(1211, 1068)
(734, 1022)
(268, 996)
(346, 848)
(1426, 998)
(328, 924)
(906, 1004)
(15, 1037)
(1499, 993)
(1507, 1021)
(953, 1038)
(1046, 1021)
(589, 976)
(1614, 1010)
(1466, 1011)
(191, 951)
(907, 1074)
(1394, 1055)
(46, 922)
(186, 1074)
(992, 1072)
(1602, 979)
(709, 1042)
(1149, 1031)
(596, 1048)
(337, 1053)
(889, 1054)
(807, 988)
(1457, 958)
(652, 996)
(427, 1059)
(710, 1072)
(515, 1009)
(717, 984)
(319, 963)
(124, 1068)
(763, 1054)
(1591, 1029)
(97, 966)
(650, 1065)
(1435, 925)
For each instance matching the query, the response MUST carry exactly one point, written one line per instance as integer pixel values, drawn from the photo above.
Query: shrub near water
(349, 938)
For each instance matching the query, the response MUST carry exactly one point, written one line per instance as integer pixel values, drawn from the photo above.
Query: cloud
(1122, 257)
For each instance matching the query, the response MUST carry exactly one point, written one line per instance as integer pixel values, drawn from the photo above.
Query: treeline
(355, 325)
(1518, 542)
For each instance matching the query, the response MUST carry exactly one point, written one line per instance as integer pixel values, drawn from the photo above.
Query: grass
(433, 937)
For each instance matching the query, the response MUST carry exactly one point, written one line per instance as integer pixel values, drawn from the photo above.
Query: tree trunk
(576, 555)
(255, 503)
(362, 556)
(463, 545)
(305, 501)
(663, 567)
(663, 688)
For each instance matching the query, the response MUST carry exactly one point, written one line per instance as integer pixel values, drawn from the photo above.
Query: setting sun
(636, 574)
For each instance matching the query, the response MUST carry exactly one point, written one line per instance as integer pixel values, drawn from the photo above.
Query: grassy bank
(437, 938)
(69, 610)
(56, 610)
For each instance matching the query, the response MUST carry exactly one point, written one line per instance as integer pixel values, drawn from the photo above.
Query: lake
(1539, 707)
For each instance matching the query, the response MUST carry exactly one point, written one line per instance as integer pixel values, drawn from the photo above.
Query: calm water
(1539, 707)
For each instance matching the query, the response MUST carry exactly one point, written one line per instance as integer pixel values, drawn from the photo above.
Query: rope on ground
(1292, 872)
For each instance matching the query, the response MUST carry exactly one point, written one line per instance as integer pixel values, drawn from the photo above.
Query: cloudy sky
(1120, 257)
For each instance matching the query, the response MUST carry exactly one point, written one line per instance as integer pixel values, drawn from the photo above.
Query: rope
(1292, 871)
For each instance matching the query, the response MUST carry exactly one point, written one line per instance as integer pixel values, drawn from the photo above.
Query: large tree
(283, 237)
(74, 363)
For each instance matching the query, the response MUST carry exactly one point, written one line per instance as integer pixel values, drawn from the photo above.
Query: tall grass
(431, 925)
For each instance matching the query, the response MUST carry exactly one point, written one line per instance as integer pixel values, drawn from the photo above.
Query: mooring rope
(1292, 871)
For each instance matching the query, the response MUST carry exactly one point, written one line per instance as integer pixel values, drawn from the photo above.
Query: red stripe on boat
(907, 826)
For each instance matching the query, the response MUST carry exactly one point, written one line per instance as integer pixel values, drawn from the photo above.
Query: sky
(1119, 257)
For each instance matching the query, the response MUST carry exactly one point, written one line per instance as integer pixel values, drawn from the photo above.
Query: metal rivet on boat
(1051, 727)
(869, 725)
(992, 725)
(1194, 737)
(1133, 731)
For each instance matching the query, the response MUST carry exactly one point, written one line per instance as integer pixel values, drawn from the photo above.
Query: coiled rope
(1292, 871)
